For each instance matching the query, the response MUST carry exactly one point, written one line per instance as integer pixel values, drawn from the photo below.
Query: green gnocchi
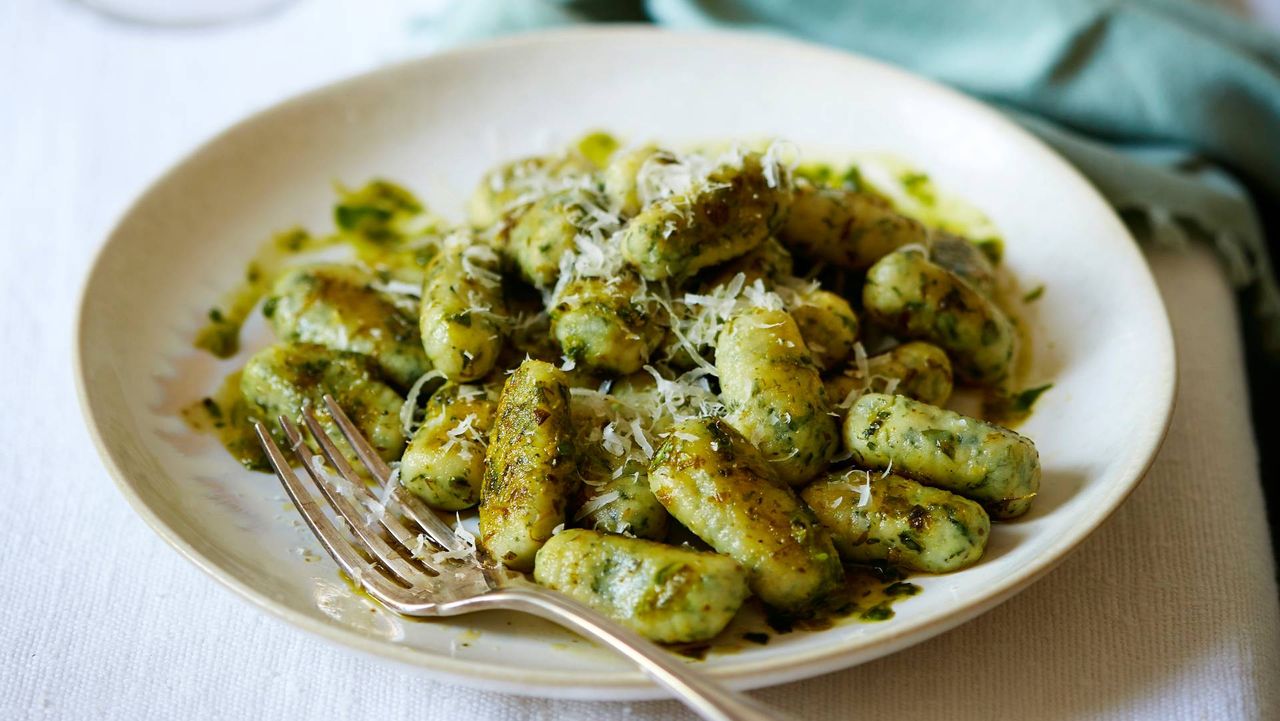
(642, 371)
(877, 516)
(337, 306)
(445, 460)
(282, 379)
(972, 457)
(529, 467)
(713, 480)
(609, 324)
(461, 311)
(666, 593)
(849, 228)
(914, 369)
(732, 210)
(624, 504)
(773, 393)
(921, 300)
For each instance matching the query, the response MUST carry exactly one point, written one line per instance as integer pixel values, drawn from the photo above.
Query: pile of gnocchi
(647, 371)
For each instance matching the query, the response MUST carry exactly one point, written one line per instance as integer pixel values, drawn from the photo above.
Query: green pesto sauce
(226, 415)
(992, 247)
(914, 194)
(867, 596)
(221, 336)
(389, 230)
(848, 177)
(1014, 408)
(920, 187)
(378, 211)
(597, 148)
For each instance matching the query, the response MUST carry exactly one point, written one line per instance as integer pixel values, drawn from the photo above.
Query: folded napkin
(1162, 103)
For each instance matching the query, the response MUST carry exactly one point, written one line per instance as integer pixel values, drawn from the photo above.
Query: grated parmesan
(864, 491)
(410, 406)
(595, 503)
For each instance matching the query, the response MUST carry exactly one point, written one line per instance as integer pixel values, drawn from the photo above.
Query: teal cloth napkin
(1165, 105)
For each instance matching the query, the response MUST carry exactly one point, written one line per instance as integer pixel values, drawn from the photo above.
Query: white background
(1168, 612)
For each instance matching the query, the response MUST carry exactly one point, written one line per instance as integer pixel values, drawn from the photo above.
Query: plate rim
(630, 685)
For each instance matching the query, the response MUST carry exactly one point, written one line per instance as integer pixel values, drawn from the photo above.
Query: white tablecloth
(1169, 612)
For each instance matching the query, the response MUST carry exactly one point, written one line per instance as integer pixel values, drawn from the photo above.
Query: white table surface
(1169, 612)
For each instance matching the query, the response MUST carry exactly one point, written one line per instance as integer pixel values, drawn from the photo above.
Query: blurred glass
(184, 12)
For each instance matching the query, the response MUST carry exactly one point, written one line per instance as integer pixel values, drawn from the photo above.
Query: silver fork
(426, 584)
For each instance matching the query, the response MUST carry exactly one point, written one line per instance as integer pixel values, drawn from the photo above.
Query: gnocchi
(883, 517)
(915, 369)
(849, 228)
(642, 371)
(714, 481)
(919, 299)
(337, 306)
(282, 379)
(445, 460)
(461, 312)
(529, 468)
(666, 593)
(773, 393)
(942, 448)
(734, 209)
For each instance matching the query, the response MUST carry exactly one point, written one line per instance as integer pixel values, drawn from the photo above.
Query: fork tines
(393, 569)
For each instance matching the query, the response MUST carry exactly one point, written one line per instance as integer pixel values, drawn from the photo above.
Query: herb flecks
(920, 187)
(1013, 408)
(992, 247)
(1025, 399)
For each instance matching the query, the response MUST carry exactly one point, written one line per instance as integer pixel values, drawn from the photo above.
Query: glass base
(184, 13)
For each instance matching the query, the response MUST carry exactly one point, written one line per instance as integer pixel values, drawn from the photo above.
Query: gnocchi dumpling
(529, 467)
(282, 379)
(711, 479)
(734, 209)
(339, 307)
(876, 516)
(773, 393)
(848, 228)
(444, 463)
(608, 324)
(976, 459)
(462, 311)
(665, 593)
(914, 369)
(920, 300)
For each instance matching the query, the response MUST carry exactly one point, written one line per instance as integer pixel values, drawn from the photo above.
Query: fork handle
(703, 695)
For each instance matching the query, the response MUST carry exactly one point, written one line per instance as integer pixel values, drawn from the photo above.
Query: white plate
(1100, 329)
